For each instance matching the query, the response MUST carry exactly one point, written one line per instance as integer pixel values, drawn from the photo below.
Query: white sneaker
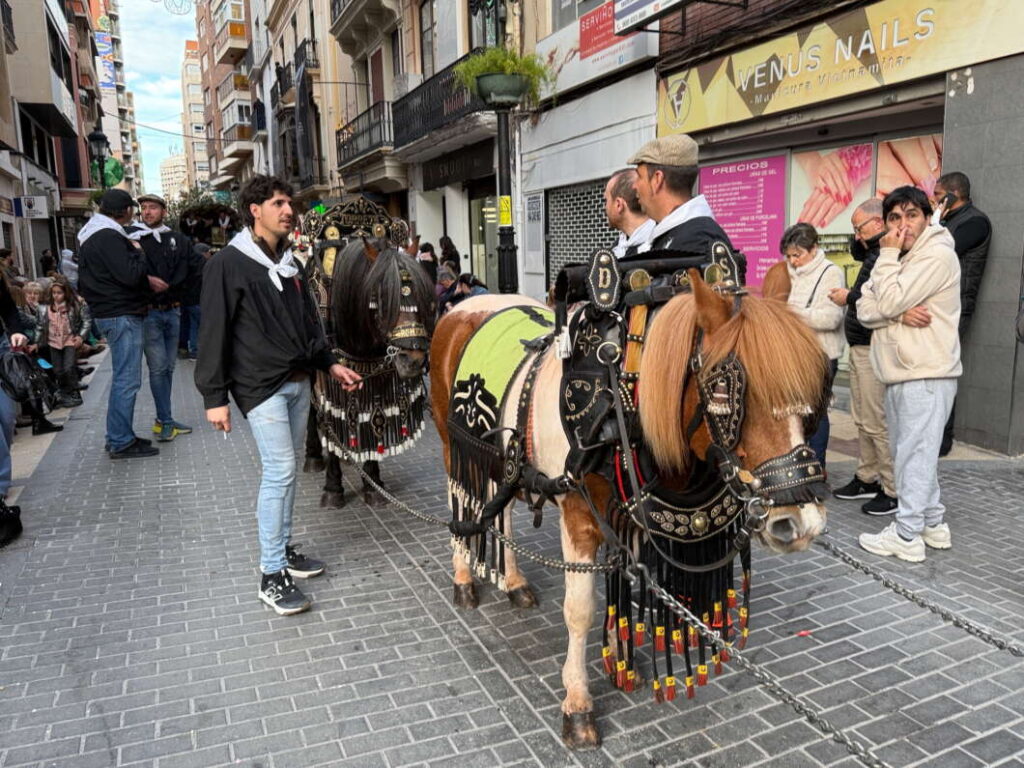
(888, 543)
(937, 536)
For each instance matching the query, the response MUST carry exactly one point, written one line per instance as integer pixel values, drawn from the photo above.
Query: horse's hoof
(579, 731)
(465, 596)
(314, 464)
(373, 499)
(332, 499)
(522, 597)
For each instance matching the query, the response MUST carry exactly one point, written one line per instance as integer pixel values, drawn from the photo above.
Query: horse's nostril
(783, 529)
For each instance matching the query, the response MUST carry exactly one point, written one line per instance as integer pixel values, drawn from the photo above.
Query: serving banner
(889, 42)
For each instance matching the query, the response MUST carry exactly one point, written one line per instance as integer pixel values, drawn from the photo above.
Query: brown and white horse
(784, 368)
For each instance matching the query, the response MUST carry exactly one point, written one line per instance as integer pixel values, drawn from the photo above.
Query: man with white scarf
(169, 257)
(666, 172)
(114, 279)
(260, 341)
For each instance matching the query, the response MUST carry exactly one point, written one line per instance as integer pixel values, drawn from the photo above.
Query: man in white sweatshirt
(912, 301)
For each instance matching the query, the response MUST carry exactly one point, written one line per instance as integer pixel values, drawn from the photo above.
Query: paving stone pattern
(131, 634)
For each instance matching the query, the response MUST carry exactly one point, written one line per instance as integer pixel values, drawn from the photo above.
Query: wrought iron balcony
(369, 131)
(315, 176)
(275, 95)
(258, 118)
(306, 54)
(284, 82)
(436, 103)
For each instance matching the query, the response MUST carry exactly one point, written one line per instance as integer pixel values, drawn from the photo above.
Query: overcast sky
(154, 43)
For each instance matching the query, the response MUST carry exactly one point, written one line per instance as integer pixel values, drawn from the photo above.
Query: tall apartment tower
(173, 176)
(118, 104)
(223, 34)
(193, 124)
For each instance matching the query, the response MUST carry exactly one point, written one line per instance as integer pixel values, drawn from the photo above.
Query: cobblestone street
(131, 634)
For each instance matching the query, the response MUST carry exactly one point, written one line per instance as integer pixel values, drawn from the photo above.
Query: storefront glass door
(483, 225)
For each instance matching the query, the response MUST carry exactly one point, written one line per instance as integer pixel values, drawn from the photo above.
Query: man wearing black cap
(168, 256)
(666, 172)
(114, 279)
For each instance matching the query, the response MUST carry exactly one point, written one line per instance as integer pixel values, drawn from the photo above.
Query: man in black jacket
(260, 340)
(972, 234)
(168, 256)
(114, 279)
(874, 477)
(666, 172)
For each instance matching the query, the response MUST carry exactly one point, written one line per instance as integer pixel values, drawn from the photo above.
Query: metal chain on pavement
(519, 549)
(982, 633)
(768, 680)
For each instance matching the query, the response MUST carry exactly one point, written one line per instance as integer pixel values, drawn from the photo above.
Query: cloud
(154, 43)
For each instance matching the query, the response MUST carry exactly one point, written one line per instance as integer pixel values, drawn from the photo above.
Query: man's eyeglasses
(863, 224)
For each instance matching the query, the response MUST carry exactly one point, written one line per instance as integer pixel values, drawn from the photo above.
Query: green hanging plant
(502, 61)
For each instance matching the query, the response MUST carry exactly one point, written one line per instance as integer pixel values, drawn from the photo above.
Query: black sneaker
(43, 426)
(279, 592)
(857, 489)
(881, 505)
(300, 566)
(135, 450)
(10, 523)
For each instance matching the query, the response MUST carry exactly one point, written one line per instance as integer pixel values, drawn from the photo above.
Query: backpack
(22, 380)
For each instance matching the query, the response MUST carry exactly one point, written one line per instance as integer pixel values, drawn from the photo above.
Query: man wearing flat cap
(666, 172)
(168, 256)
(114, 278)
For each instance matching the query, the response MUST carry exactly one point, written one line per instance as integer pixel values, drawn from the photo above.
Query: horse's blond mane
(783, 359)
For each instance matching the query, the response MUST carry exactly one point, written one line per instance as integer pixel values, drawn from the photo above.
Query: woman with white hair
(812, 277)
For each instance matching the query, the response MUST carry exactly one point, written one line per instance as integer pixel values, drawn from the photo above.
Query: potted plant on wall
(502, 78)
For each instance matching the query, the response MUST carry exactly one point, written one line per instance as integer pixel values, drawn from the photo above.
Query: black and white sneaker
(881, 505)
(857, 489)
(300, 566)
(279, 592)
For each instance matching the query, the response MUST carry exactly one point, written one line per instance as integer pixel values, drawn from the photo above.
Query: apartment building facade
(193, 121)
(174, 175)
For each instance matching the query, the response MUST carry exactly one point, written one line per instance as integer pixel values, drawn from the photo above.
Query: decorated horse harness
(385, 416)
(688, 541)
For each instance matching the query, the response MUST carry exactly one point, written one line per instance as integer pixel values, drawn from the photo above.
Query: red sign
(597, 30)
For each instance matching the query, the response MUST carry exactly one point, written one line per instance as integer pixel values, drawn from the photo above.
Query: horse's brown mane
(784, 362)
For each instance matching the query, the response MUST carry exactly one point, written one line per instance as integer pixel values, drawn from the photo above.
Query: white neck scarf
(143, 229)
(691, 209)
(244, 242)
(96, 223)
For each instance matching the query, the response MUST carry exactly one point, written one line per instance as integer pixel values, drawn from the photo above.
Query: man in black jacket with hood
(972, 235)
(874, 477)
(259, 341)
(114, 278)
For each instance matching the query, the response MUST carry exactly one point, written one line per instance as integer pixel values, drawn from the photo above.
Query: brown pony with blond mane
(785, 368)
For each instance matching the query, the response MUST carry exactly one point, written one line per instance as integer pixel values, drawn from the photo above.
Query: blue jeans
(161, 328)
(190, 324)
(8, 412)
(124, 335)
(278, 424)
(819, 440)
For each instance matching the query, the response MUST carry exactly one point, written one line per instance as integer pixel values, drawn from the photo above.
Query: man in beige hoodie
(912, 301)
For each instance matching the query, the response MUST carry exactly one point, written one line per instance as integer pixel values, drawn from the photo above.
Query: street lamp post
(98, 148)
(508, 270)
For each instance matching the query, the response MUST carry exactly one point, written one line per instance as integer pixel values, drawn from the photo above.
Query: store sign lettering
(889, 42)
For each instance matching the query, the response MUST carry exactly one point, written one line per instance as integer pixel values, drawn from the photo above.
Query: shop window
(427, 38)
